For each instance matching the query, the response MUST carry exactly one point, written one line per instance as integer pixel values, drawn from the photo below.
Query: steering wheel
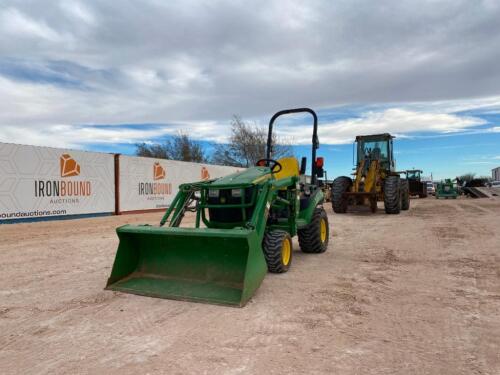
(271, 163)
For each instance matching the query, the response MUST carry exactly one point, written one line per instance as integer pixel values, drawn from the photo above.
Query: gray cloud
(157, 61)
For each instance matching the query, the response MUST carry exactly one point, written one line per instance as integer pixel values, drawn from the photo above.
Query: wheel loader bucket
(221, 266)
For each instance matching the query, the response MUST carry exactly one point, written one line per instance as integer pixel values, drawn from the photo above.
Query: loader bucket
(221, 266)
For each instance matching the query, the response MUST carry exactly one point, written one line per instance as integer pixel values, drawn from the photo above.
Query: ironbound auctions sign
(41, 181)
(148, 184)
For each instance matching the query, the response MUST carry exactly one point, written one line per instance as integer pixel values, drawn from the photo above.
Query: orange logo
(158, 171)
(69, 167)
(204, 174)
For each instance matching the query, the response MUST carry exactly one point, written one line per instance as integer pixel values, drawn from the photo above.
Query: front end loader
(243, 228)
(375, 178)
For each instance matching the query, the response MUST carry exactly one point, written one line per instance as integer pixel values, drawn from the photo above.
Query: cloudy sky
(103, 75)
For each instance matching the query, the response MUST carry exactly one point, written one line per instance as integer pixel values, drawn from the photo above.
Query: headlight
(213, 193)
(236, 193)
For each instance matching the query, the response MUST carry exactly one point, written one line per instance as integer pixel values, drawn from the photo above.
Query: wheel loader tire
(373, 204)
(339, 186)
(392, 195)
(277, 247)
(314, 237)
(405, 195)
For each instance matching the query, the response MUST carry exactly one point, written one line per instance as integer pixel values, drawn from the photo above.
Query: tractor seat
(290, 168)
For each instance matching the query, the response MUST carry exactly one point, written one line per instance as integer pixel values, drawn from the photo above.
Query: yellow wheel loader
(375, 178)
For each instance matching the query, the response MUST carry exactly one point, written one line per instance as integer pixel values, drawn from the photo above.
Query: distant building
(495, 174)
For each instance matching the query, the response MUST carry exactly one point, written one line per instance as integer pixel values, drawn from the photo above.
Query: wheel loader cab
(376, 147)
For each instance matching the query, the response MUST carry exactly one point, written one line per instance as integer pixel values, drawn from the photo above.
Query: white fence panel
(37, 182)
(148, 183)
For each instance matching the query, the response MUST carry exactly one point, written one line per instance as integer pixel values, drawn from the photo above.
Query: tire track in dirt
(393, 294)
(132, 337)
(474, 208)
(10, 337)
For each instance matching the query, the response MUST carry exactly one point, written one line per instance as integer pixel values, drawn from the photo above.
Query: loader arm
(371, 176)
(359, 176)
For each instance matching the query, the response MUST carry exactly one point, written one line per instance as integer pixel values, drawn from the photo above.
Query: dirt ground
(416, 293)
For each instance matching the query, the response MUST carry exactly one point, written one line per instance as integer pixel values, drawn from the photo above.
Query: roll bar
(315, 140)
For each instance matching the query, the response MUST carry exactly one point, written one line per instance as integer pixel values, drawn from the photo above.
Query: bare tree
(247, 144)
(179, 147)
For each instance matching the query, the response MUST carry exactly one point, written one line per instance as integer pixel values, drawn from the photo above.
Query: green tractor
(416, 186)
(446, 189)
(243, 228)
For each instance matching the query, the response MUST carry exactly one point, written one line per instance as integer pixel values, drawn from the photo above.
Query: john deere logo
(158, 172)
(64, 191)
(204, 173)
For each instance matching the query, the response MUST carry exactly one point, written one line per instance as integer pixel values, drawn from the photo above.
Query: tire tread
(272, 246)
(310, 236)
(339, 186)
(392, 195)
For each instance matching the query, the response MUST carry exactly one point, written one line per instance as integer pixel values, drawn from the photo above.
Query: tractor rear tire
(392, 195)
(339, 186)
(423, 191)
(405, 195)
(314, 237)
(278, 250)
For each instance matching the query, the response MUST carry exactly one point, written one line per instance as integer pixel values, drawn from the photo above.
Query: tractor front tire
(392, 195)
(405, 195)
(314, 237)
(278, 249)
(339, 186)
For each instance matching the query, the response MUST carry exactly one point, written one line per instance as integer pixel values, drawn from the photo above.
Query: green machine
(446, 190)
(415, 184)
(243, 228)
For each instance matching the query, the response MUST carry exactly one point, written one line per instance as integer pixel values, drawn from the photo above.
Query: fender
(305, 216)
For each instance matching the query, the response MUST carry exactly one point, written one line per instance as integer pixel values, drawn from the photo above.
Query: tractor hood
(249, 176)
